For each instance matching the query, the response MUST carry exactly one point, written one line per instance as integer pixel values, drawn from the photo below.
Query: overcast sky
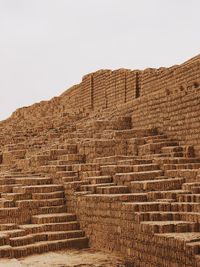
(48, 45)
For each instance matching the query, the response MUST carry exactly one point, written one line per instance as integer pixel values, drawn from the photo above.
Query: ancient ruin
(113, 164)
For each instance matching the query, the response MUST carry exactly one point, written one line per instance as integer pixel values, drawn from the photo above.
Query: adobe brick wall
(110, 226)
(167, 98)
(176, 114)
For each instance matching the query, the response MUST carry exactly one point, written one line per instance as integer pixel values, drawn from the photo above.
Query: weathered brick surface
(113, 159)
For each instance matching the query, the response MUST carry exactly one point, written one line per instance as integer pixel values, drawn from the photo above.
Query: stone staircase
(34, 217)
(136, 187)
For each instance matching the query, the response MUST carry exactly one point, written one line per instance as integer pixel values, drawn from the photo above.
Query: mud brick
(114, 161)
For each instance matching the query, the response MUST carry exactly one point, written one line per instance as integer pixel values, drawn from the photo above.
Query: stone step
(154, 148)
(44, 246)
(145, 167)
(190, 175)
(50, 227)
(49, 236)
(8, 226)
(189, 198)
(190, 186)
(7, 181)
(166, 155)
(72, 148)
(52, 195)
(124, 197)
(187, 150)
(75, 186)
(53, 218)
(161, 207)
(136, 161)
(3, 239)
(99, 179)
(13, 233)
(64, 174)
(16, 196)
(157, 216)
(5, 251)
(93, 187)
(86, 167)
(4, 203)
(52, 168)
(171, 149)
(88, 174)
(121, 178)
(72, 158)
(181, 166)
(61, 163)
(133, 133)
(35, 203)
(56, 153)
(146, 206)
(166, 194)
(156, 138)
(33, 180)
(194, 247)
(38, 189)
(112, 159)
(70, 179)
(168, 226)
(52, 209)
(112, 169)
(155, 185)
(8, 188)
(185, 207)
(177, 160)
(195, 190)
(112, 190)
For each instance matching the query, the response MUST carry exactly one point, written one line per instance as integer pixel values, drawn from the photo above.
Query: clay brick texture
(113, 163)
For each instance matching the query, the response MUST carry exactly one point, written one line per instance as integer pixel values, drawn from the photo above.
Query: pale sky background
(48, 45)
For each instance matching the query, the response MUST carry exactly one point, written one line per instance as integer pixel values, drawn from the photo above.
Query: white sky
(48, 45)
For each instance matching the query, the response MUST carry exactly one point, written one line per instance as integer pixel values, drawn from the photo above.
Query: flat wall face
(177, 115)
(171, 79)
(109, 89)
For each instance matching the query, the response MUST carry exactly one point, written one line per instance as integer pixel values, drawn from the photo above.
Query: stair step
(145, 167)
(112, 190)
(86, 167)
(38, 189)
(50, 227)
(5, 251)
(52, 209)
(51, 195)
(181, 166)
(35, 203)
(33, 180)
(13, 233)
(16, 196)
(49, 236)
(122, 178)
(155, 185)
(63, 174)
(45, 246)
(99, 179)
(93, 187)
(167, 226)
(134, 161)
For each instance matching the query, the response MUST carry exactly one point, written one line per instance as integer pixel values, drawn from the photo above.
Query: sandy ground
(72, 258)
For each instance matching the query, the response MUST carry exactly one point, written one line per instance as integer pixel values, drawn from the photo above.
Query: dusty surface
(73, 258)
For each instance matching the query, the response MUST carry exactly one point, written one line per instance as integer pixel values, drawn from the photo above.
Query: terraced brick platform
(117, 176)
